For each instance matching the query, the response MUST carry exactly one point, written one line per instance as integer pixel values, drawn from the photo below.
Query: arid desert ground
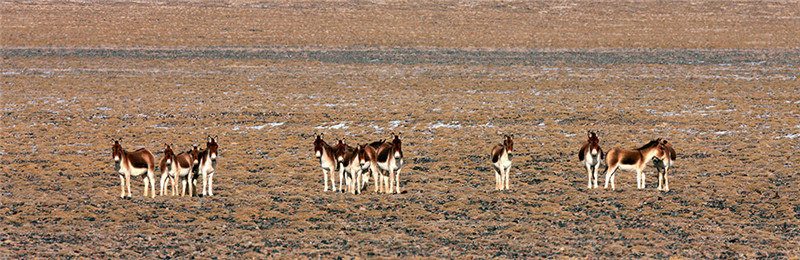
(718, 79)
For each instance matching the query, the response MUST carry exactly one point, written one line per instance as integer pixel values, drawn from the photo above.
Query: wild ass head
(398, 149)
(341, 148)
(508, 142)
(116, 150)
(195, 152)
(211, 146)
(168, 153)
(594, 142)
(318, 143)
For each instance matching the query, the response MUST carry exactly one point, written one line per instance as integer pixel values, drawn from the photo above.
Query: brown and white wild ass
(369, 163)
(632, 160)
(663, 164)
(207, 164)
(591, 156)
(327, 160)
(350, 163)
(137, 163)
(168, 170)
(390, 161)
(339, 151)
(184, 164)
(501, 162)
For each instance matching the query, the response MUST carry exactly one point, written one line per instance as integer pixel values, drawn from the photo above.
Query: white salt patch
(259, 127)
(793, 136)
(160, 127)
(722, 132)
(341, 125)
(395, 123)
(454, 124)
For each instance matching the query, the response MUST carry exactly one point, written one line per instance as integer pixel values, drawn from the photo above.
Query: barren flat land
(718, 79)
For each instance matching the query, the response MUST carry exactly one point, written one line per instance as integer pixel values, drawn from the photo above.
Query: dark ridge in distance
(413, 56)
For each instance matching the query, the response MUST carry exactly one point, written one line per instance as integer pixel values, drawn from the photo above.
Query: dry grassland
(266, 76)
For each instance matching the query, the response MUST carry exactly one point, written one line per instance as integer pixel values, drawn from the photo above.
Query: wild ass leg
(205, 182)
(385, 182)
(596, 172)
(122, 186)
(497, 178)
(151, 176)
(184, 187)
(660, 178)
(175, 185)
(341, 178)
(192, 180)
(211, 183)
(163, 182)
(666, 179)
(376, 175)
(589, 174)
(609, 176)
(638, 180)
(128, 182)
(391, 180)
(641, 177)
(146, 185)
(325, 179)
(507, 180)
(332, 174)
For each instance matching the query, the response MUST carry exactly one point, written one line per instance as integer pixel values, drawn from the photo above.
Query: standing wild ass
(168, 171)
(663, 164)
(184, 166)
(501, 162)
(632, 160)
(350, 165)
(327, 160)
(207, 164)
(137, 163)
(590, 156)
(369, 162)
(390, 161)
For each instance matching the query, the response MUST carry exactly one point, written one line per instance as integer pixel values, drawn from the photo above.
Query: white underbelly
(589, 160)
(183, 172)
(134, 171)
(627, 167)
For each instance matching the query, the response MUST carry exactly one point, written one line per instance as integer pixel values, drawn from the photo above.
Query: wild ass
(390, 161)
(501, 162)
(591, 156)
(632, 160)
(327, 160)
(369, 163)
(167, 167)
(184, 166)
(137, 163)
(350, 161)
(663, 164)
(339, 151)
(207, 164)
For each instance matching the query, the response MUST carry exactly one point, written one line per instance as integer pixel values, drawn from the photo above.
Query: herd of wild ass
(185, 167)
(382, 160)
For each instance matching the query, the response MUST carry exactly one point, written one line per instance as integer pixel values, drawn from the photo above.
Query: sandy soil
(732, 115)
